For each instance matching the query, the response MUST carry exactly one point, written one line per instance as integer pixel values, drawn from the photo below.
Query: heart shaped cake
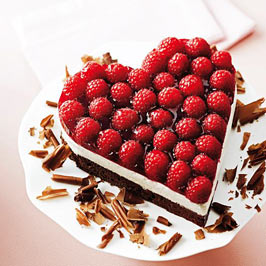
(158, 131)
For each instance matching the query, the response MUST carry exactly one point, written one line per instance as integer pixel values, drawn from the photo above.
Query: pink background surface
(30, 238)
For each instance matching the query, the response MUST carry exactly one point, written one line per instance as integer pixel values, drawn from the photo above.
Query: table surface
(30, 238)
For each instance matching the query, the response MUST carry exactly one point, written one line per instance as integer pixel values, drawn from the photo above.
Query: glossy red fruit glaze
(194, 106)
(144, 100)
(143, 133)
(178, 64)
(124, 118)
(191, 85)
(160, 118)
(86, 130)
(100, 108)
(204, 165)
(188, 128)
(130, 152)
(222, 60)
(197, 47)
(171, 45)
(163, 80)
(121, 93)
(170, 97)
(164, 140)
(156, 165)
(202, 66)
(185, 151)
(223, 80)
(139, 79)
(219, 103)
(116, 72)
(199, 189)
(178, 175)
(209, 145)
(96, 88)
(154, 62)
(92, 70)
(215, 125)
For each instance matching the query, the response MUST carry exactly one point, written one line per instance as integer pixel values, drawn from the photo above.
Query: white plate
(62, 210)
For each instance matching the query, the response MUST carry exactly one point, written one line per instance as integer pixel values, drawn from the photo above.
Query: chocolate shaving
(98, 205)
(230, 175)
(239, 83)
(49, 134)
(50, 193)
(109, 195)
(127, 197)
(243, 192)
(257, 207)
(106, 241)
(100, 195)
(241, 181)
(236, 194)
(163, 221)
(66, 72)
(82, 218)
(32, 131)
(231, 198)
(199, 234)
(90, 187)
(247, 206)
(256, 176)
(236, 113)
(238, 129)
(107, 213)
(107, 59)
(246, 137)
(168, 245)
(257, 153)
(158, 231)
(121, 235)
(136, 215)
(84, 196)
(86, 58)
(47, 121)
(139, 236)
(39, 153)
(98, 218)
(51, 104)
(103, 229)
(72, 180)
(259, 186)
(220, 208)
(244, 163)
(115, 225)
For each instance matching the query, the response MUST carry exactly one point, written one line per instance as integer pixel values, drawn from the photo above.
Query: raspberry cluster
(166, 119)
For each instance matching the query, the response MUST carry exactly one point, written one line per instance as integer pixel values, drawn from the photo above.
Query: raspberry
(178, 175)
(100, 108)
(156, 165)
(199, 189)
(194, 106)
(170, 97)
(163, 80)
(108, 141)
(143, 133)
(188, 128)
(130, 152)
(160, 118)
(86, 130)
(116, 72)
(222, 80)
(124, 118)
(222, 60)
(92, 70)
(185, 151)
(197, 47)
(69, 111)
(144, 100)
(204, 165)
(178, 64)
(154, 62)
(171, 45)
(219, 103)
(121, 93)
(191, 85)
(209, 145)
(164, 140)
(97, 88)
(139, 78)
(215, 125)
(202, 67)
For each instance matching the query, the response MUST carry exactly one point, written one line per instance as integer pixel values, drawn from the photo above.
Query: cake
(158, 131)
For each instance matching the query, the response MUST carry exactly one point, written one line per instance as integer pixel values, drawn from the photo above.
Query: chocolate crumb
(103, 228)
(199, 234)
(47, 122)
(169, 244)
(220, 208)
(244, 163)
(158, 231)
(121, 235)
(246, 137)
(163, 221)
(230, 191)
(247, 206)
(231, 198)
(51, 103)
(257, 207)
(238, 129)
(236, 194)
(32, 131)
(230, 175)
(241, 181)
(243, 192)
(39, 153)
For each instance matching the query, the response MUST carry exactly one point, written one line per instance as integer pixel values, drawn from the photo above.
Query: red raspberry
(69, 111)
(156, 165)
(130, 153)
(219, 103)
(199, 189)
(97, 88)
(209, 145)
(163, 80)
(178, 64)
(160, 118)
(191, 85)
(194, 106)
(202, 67)
(171, 45)
(222, 80)
(215, 125)
(92, 70)
(108, 141)
(143, 133)
(164, 140)
(139, 78)
(204, 165)
(124, 118)
(154, 62)
(100, 108)
(86, 130)
(188, 128)
(116, 72)
(170, 97)
(144, 100)
(185, 151)
(178, 175)
(222, 60)
(197, 47)
(121, 93)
